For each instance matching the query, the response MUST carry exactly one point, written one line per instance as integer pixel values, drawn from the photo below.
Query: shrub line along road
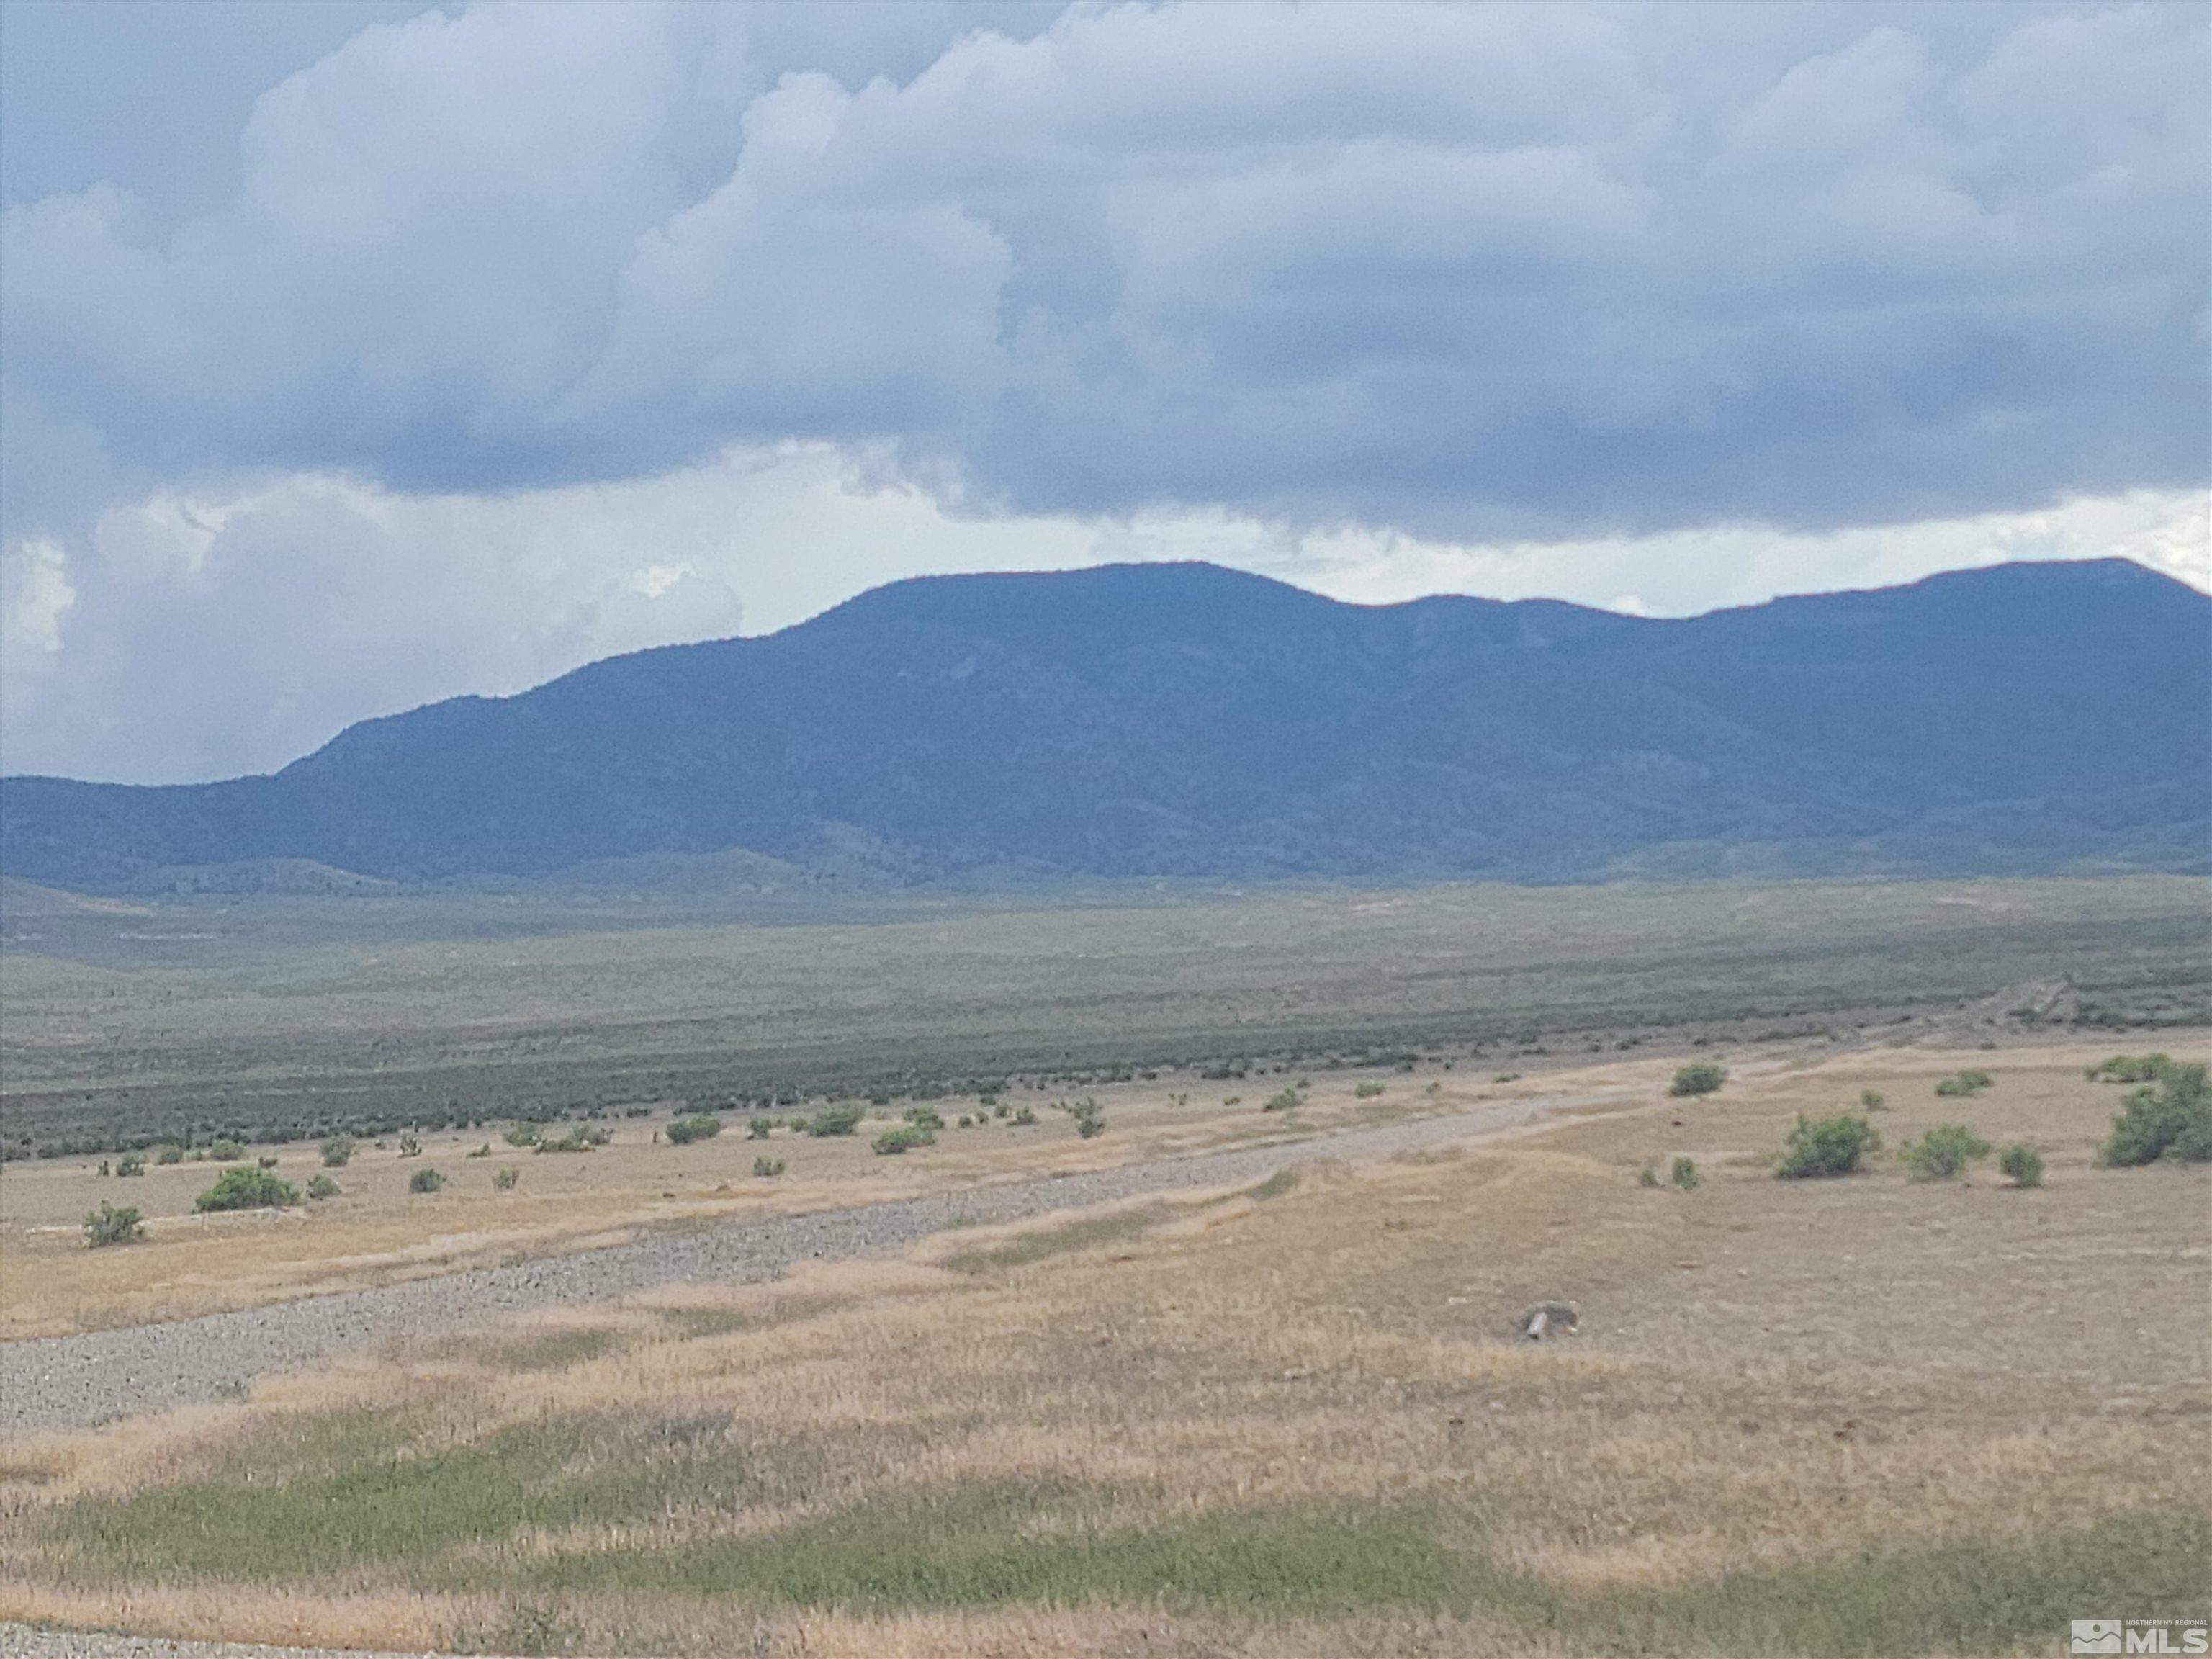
(95, 1377)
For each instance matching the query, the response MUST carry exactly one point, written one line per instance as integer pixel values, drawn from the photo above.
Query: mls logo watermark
(2141, 1636)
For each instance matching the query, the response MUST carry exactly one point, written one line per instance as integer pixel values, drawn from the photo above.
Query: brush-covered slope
(1188, 720)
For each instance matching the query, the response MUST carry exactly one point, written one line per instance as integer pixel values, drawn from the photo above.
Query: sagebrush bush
(925, 1117)
(168, 1154)
(1648, 1177)
(2130, 1068)
(580, 1138)
(130, 1163)
(2169, 1120)
(524, 1134)
(1684, 1173)
(114, 1224)
(768, 1168)
(1699, 1077)
(224, 1152)
(1963, 1085)
(504, 1178)
(1943, 1152)
(1366, 1091)
(248, 1189)
(425, 1180)
(338, 1151)
(834, 1120)
(2021, 1165)
(1873, 1100)
(1288, 1100)
(409, 1145)
(700, 1126)
(759, 1129)
(322, 1186)
(892, 1142)
(1825, 1147)
(1024, 1116)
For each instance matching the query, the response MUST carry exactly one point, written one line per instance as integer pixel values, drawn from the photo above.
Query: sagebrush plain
(1876, 1415)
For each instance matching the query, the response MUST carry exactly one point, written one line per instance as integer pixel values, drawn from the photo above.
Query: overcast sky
(358, 354)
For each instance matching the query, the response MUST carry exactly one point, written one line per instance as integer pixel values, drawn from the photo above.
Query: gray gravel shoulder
(80, 1382)
(21, 1642)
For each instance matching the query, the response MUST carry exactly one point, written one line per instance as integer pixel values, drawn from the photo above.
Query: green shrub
(1024, 1116)
(700, 1126)
(892, 1142)
(1288, 1101)
(1684, 1173)
(322, 1186)
(114, 1224)
(1873, 1100)
(425, 1180)
(925, 1117)
(758, 1128)
(1943, 1152)
(2021, 1165)
(2171, 1119)
(483, 1151)
(409, 1147)
(524, 1134)
(2130, 1068)
(1366, 1091)
(1648, 1177)
(1963, 1085)
(1824, 1146)
(1089, 1126)
(768, 1168)
(338, 1151)
(248, 1189)
(834, 1120)
(168, 1154)
(580, 1138)
(1699, 1077)
(224, 1152)
(503, 1178)
(130, 1163)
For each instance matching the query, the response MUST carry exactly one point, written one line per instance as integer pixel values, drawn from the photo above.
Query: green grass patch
(1020, 1251)
(1953, 1597)
(548, 1351)
(693, 1323)
(388, 1505)
(985, 1545)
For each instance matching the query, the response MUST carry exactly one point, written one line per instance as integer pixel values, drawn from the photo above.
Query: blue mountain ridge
(1184, 720)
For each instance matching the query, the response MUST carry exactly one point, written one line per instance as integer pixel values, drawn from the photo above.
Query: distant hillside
(1184, 720)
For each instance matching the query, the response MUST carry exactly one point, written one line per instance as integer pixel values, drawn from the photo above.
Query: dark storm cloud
(1508, 270)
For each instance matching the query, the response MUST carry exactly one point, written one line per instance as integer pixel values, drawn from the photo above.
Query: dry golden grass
(1767, 1373)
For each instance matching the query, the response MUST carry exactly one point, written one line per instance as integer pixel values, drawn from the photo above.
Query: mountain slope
(1188, 720)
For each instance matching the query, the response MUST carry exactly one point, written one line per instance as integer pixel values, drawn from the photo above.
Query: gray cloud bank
(1505, 271)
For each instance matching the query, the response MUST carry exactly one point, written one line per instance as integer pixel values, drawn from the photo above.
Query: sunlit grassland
(1801, 1419)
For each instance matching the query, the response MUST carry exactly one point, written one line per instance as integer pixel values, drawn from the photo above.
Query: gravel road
(21, 1642)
